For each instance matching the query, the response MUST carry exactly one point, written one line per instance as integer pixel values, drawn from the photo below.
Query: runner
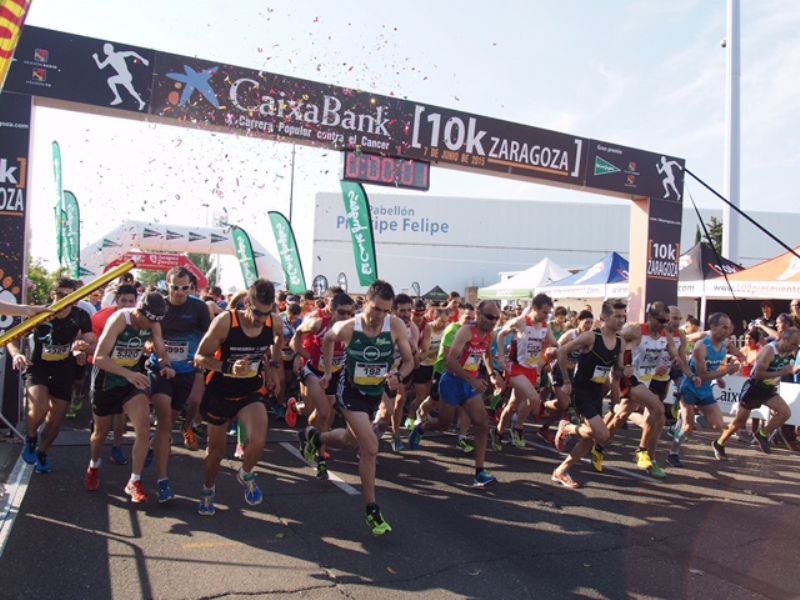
(599, 361)
(558, 325)
(394, 400)
(652, 353)
(120, 385)
(289, 383)
(706, 366)
(124, 297)
(533, 338)
(60, 347)
(370, 338)
(462, 386)
(429, 350)
(320, 400)
(775, 360)
(184, 325)
(234, 351)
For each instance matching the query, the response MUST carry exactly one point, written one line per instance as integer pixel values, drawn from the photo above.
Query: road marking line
(605, 467)
(332, 477)
(15, 490)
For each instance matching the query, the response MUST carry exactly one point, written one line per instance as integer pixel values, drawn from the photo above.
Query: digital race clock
(386, 170)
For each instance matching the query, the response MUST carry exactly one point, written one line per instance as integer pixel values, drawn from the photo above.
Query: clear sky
(644, 73)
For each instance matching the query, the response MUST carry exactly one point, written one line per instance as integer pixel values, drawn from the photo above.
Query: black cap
(153, 305)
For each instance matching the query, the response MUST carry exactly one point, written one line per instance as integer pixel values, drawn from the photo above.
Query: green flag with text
(59, 208)
(287, 250)
(244, 252)
(71, 234)
(359, 222)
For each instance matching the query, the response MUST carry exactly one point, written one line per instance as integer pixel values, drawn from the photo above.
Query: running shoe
(190, 441)
(561, 436)
(643, 460)
(597, 459)
(29, 450)
(483, 479)
(148, 460)
(465, 446)
(92, 480)
(42, 464)
(240, 450)
(496, 439)
(312, 445)
(206, 506)
(547, 435)
(409, 423)
(291, 413)
(415, 437)
(117, 456)
(165, 493)
(135, 490)
(763, 442)
(675, 461)
(252, 493)
(398, 445)
(719, 451)
(565, 480)
(325, 455)
(72, 413)
(676, 409)
(322, 470)
(376, 523)
(517, 438)
(656, 471)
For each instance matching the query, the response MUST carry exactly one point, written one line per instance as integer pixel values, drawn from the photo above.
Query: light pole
(291, 187)
(730, 218)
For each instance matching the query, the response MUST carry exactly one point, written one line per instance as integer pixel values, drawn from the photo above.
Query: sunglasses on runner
(180, 288)
(490, 317)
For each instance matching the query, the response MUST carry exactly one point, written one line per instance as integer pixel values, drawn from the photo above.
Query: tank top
(312, 343)
(530, 344)
(433, 351)
(448, 335)
(368, 359)
(649, 355)
(594, 367)
(128, 352)
(714, 360)
(397, 358)
(236, 346)
(287, 352)
(778, 362)
(475, 350)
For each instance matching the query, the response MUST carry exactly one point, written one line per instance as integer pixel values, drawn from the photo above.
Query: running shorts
(218, 410)
(178, 388)
(455, 391)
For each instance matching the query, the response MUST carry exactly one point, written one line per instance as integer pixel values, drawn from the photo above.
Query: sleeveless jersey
(448, 335)
(128, 352)
(594, 367)
(433, 352)
(312, 343)
(475, 350)
(530, 344)
(778, 362)
(397, 358)
(368, 359)
(714, 360)
(287, 353)
(649, 355)
(236, 346)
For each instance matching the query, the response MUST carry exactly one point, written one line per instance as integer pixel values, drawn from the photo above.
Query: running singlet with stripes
(530, 344)
(475, 350)
(594, 367)
(128, 352)
(778, 362)
(312, 343)
(238, 346)
(649, 355)
(368, 359)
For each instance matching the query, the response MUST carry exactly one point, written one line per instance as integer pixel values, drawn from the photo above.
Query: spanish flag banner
(12, 18)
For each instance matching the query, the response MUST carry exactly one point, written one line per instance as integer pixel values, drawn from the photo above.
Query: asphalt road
(712, 530)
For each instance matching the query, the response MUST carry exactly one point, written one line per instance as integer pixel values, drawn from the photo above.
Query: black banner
(632, 171)
(71, 67)
(15, 119)
(663, 250)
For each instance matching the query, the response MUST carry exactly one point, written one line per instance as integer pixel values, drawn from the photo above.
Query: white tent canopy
(524, 284)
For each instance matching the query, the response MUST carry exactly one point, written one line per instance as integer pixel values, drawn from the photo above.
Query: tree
(148, 278)
(203, 262)
(714, 227)
(40, 282)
